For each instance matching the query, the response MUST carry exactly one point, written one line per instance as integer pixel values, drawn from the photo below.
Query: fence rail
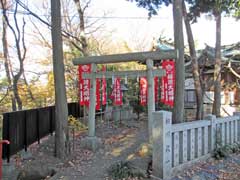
(177, 144)
(23, 128)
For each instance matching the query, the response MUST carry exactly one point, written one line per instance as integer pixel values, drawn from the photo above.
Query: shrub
(74, 122)
(123, 170)
(137, 107)
(221, 152)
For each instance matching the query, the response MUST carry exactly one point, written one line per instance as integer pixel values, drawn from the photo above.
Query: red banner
(117, 93)
(84, 87)
(162, 99)
(143, 91)
(168, 83)
(84, 84)
(98, 86)
(156, 87)
(104, 88)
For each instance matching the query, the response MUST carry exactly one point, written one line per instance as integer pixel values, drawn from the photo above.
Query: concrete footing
(92, 143)
(9, 171)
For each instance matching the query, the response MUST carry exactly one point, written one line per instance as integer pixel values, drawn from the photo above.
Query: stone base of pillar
(92, 143)
(9, 171)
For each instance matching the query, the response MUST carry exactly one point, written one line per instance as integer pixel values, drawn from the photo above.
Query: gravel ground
(120, 143)
(226, 169)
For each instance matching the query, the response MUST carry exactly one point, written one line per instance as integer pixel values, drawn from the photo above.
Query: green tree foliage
(236, 7)
(213, 7)
(152, 5)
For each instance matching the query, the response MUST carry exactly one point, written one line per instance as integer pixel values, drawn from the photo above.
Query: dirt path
(121, 143)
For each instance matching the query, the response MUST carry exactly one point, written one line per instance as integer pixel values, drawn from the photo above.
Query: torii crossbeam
(147, 57)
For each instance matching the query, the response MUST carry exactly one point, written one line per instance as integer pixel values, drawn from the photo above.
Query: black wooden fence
(23, 128)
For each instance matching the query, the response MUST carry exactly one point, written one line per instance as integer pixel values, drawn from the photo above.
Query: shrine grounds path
(121, 142)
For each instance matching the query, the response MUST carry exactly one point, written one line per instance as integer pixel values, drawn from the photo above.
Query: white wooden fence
(177, 144)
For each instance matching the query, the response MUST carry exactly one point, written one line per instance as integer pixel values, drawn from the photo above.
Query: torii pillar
(92, 141)
(151, 94)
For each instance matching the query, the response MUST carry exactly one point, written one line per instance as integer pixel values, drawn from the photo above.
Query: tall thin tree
(195, 66)
(214, 8)
(81, 11)
(61, 136)
(7, 63)
(178, 111)
(19, 40)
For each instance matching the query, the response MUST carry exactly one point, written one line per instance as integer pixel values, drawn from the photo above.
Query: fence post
(38, 127)
(50, 109)
(237, 130)
(25, 130)
(212, 134)
(162, 144)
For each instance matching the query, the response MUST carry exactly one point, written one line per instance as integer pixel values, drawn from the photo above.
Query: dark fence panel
(17, 131)
(53, 120)
(23, 128)
(74, 109)
(44, 121)
(32, 126)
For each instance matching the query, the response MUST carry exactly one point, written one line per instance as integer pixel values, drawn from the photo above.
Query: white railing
(177, 144)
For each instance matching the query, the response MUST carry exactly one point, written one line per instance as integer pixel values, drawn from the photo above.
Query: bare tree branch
(46, 43)
(64, 33)
(92, 23)
(28, 88)
(16, 23)
(6, 94)
(23, 40)
(86, 6)
(95, 30)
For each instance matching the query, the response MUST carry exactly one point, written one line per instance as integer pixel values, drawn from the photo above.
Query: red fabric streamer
(104, 88)
(84, 84)
(143, 91)
(117, 93)
(168, 83)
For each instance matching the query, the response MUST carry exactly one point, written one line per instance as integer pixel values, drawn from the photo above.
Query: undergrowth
(74, 122)
(221, 152)
(124, 170)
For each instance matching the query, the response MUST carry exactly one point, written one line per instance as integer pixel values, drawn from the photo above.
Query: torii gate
(148, 57)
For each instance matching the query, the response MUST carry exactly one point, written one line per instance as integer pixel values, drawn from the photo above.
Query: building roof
(206, 56)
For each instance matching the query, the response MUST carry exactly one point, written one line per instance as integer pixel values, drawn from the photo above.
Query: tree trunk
(61, 136)
(19, 40)
(195, 67)
(16, 93)
(83, 39)
(6, 59)
(217, 68)
(84, 44)
(178, 111)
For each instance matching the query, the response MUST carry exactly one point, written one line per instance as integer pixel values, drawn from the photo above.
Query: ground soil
(121, 142)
